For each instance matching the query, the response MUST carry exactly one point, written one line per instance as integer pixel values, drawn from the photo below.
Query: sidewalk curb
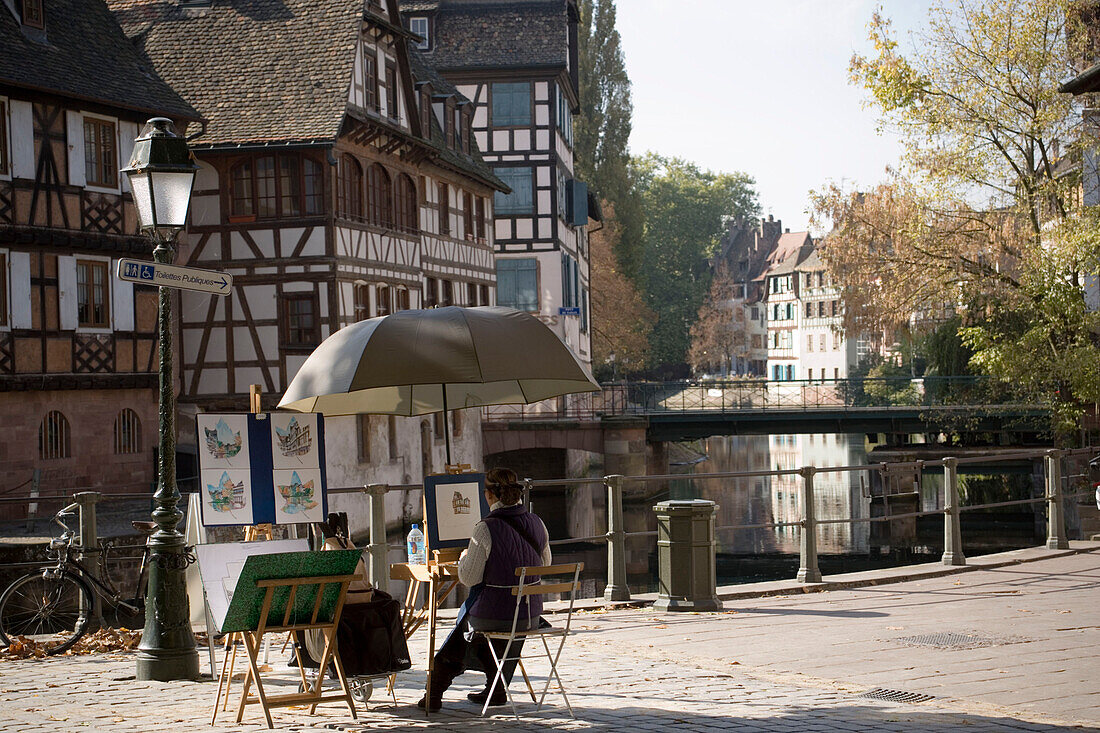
(888, 576)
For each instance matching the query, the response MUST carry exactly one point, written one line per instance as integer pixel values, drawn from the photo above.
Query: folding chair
(523, 592)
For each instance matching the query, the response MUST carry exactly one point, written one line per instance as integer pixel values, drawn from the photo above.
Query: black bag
(370, 638)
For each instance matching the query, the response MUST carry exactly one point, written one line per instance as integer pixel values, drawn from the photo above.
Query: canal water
(769, 553)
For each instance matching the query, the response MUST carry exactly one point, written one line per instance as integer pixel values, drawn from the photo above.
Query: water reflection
(777, 499)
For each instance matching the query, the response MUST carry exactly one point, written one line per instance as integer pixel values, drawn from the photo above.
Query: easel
(263, 604)
(441, 577)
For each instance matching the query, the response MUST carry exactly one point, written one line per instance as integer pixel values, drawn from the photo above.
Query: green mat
(248, 598)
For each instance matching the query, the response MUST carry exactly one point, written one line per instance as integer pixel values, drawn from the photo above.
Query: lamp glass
(171, 197)
(143, 199)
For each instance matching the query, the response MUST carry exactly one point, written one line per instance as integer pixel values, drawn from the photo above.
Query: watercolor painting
(223, 441)
(226, 496)
(294, 441)
(298, 496)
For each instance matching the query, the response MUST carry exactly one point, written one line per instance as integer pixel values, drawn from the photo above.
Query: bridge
(690, 410)
(623, 414)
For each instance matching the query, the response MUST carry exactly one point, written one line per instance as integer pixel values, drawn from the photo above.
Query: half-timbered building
(517, 63)
(339, 181)
(78, 357)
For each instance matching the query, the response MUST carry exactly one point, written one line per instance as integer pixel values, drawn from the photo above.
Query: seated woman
(509, 537)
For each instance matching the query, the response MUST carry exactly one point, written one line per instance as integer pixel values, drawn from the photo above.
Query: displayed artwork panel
(295, 441)
(298, 496)
(223, 441)
(453, 504)
(226, 496)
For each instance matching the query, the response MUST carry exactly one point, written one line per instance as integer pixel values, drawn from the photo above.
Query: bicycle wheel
(50, 611)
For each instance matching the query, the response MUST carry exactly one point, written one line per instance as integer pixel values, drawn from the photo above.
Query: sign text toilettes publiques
(172, 276)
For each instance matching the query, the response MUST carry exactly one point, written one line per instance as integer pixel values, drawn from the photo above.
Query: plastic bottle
(415, 545)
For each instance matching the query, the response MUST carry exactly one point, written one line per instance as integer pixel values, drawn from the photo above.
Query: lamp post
(162, 173)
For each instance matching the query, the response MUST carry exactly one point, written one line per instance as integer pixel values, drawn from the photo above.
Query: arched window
(53, 436)
(350, 198)
(405, 204)
(385, 300)
(127, 432)
(379, 197)
(361, 303)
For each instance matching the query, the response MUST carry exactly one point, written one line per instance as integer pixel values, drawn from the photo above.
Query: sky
(760, 87)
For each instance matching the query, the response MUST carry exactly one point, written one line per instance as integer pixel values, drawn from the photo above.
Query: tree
(983, 220)
(686, 210)
(620, 320)
(603, 126)
(719, 335)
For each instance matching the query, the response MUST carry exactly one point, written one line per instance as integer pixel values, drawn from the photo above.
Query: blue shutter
(577, 197)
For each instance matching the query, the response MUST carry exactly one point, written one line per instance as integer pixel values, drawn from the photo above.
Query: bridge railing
(802, 518)
(802, 514)
(741, 395)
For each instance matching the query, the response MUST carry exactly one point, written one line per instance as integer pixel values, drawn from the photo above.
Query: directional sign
(171, 276)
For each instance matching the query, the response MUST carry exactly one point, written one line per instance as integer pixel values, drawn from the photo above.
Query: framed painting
(453, 504)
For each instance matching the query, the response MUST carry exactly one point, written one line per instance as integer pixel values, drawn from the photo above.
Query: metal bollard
(952, 523)
(378, 567)
(616, 589)
(686, 556)
(89, 540)
(1056, 525)
(808, 571)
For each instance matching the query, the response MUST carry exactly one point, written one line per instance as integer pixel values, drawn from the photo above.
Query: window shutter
(578, 202)
(22, 139)
(127, 132)
(66, 292)
(20, 282)
(74, 124)
(122, 295)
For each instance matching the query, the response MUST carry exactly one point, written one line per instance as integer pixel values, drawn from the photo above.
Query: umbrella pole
(446, 426)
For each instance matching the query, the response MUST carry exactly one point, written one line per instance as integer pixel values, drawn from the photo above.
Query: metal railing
(741, 395)
(615, 536)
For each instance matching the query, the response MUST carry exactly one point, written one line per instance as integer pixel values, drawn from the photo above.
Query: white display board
(220, 566)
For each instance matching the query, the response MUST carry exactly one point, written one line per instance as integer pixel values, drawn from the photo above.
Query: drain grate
(881, 693)
(959, 640)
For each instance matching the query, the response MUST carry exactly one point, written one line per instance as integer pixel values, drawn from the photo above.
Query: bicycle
(54, 606)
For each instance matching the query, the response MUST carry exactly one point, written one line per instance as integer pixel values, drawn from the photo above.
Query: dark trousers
(465, 649)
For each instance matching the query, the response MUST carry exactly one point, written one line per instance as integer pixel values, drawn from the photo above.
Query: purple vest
(509, 551)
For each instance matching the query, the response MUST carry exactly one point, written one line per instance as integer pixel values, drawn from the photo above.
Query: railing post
(527, 493)
(952, 524)
(32, 508)
(1056, 525)
(89, 539)
(378, 549)
(616, 589)
(808, 571)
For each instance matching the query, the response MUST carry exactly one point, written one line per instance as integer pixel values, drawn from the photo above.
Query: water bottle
(415, 545)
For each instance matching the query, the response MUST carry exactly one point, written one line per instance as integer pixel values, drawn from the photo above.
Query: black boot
(485, 658)
(500, 697)
(440, 678)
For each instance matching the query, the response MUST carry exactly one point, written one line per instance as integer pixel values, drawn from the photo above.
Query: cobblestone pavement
(638, 669)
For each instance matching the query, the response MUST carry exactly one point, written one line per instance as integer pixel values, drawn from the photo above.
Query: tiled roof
(791, 251)
(473, 34)
(263, 71)
(813, 262)
(84, 54)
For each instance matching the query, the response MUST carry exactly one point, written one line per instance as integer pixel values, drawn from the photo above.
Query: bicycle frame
(66, 548)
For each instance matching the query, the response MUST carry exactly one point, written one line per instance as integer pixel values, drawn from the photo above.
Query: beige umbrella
(421, 361)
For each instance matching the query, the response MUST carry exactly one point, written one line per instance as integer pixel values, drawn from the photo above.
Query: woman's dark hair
(504, 485)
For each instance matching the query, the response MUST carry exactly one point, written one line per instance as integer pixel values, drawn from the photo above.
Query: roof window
(33, 14)
(419, 25)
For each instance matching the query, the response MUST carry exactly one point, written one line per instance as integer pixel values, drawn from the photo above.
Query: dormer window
(449, 122)
(426, 112)
(370, 80)
(464, 131)
(32, 14)
(419, 26)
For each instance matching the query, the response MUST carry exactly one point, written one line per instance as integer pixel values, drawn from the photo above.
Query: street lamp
(162, 173)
